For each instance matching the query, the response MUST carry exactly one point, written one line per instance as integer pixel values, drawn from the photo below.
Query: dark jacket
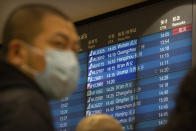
(23, 106)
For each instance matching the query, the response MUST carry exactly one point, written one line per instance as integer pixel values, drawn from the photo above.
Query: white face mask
(61, 74)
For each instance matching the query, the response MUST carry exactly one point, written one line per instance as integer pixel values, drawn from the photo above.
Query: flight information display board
(131, 66)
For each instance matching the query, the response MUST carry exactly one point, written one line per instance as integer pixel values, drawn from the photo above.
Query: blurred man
(38, 64)
(99, 122)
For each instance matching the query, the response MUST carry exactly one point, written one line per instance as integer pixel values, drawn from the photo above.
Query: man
(38, 64)
(99, 122)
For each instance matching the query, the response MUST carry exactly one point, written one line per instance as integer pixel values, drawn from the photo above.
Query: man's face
(56, 34)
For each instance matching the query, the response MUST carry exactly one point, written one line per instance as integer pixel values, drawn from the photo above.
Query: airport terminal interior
(133, 56)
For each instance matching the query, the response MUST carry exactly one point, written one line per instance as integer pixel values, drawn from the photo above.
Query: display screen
(131, 66)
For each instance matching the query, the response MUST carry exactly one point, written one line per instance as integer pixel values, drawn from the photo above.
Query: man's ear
(16, 53)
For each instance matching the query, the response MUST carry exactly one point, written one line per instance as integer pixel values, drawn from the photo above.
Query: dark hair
(25, 23)
(184, 114)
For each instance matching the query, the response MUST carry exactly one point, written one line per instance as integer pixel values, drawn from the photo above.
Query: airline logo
(91, 53)
(88, 113)
(90, 73)
(89, 86)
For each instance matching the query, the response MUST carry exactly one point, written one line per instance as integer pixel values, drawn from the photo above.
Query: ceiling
(76, 9)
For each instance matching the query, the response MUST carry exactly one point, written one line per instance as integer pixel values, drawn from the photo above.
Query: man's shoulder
(24, 99)
(21, 95)
(23, 105)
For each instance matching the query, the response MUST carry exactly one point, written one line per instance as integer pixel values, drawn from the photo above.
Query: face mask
(60, 77)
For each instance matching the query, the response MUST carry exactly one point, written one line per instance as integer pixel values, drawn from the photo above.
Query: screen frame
(137, 6)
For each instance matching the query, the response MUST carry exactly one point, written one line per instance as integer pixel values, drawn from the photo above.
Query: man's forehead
(55, 22)
(53, 25)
